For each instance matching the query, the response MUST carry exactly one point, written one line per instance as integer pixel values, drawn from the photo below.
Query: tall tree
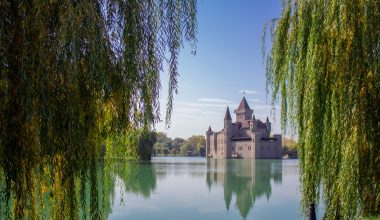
(146, 141)
(73, 73)
(324, 64)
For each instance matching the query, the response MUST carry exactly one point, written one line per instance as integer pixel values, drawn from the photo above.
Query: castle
(246, 138)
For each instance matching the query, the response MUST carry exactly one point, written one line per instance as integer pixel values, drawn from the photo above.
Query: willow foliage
(76, 73)
(324, 63)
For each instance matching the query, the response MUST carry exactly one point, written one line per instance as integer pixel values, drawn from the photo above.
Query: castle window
(249, 147)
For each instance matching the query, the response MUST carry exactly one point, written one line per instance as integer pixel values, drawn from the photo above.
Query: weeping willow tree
(324, 68)
(76, 73)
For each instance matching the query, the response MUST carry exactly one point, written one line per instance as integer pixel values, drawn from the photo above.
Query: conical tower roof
(227, 116)
(243, 106)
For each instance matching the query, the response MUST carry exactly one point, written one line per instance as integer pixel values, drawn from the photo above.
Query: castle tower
(208, 134)
(227, 134)
(269, 126)
(253, 128)
(227, 118)
(257, 144)
(243, 112)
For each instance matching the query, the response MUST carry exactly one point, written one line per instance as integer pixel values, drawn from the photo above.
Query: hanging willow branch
(325, 65)
(74, 73)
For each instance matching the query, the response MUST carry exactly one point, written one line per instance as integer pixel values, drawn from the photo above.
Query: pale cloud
(247, 91)
(214, 100)
(187, 110)
(181, 116)
(254, 100)
(262, 107)
(211, 113)
(205, 105)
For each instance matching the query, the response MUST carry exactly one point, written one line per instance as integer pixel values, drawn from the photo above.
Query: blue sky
(228, 60)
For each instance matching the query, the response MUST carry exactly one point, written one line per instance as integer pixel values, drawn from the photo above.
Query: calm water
(167, 188)
(194, 188)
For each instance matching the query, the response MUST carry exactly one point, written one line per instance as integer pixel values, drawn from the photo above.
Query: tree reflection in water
(87, 193)
(60, 192)
(247, 179)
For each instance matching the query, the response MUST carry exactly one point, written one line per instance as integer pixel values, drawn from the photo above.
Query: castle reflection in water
(97, 196)
(247, 179)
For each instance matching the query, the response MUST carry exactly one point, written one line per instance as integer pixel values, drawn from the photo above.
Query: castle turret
(269, 126)
(227, 134)
(243, 112)
(209, 131)
(253, 125)
(278, 138)
(208, 134)
(257, 144)
(227, 118)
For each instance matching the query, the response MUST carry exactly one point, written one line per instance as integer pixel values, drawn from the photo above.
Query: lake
(196, 188)
(166, 188)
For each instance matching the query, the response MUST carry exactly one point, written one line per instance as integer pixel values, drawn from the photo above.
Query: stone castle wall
(246, 138)
(243, 149)
(270, 149)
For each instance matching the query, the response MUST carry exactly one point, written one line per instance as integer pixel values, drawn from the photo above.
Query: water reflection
(137, 178)
(246, 179)
(85, 194)
(108, 186)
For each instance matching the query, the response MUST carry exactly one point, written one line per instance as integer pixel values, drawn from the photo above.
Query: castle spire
(267, 120)
(209, 129)
(243, 106)
(227, 116)
(243, 112)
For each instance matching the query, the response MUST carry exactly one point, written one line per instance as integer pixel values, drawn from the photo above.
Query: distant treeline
(289, 148)
(165, 146)
(289, 143)
(142, 144)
